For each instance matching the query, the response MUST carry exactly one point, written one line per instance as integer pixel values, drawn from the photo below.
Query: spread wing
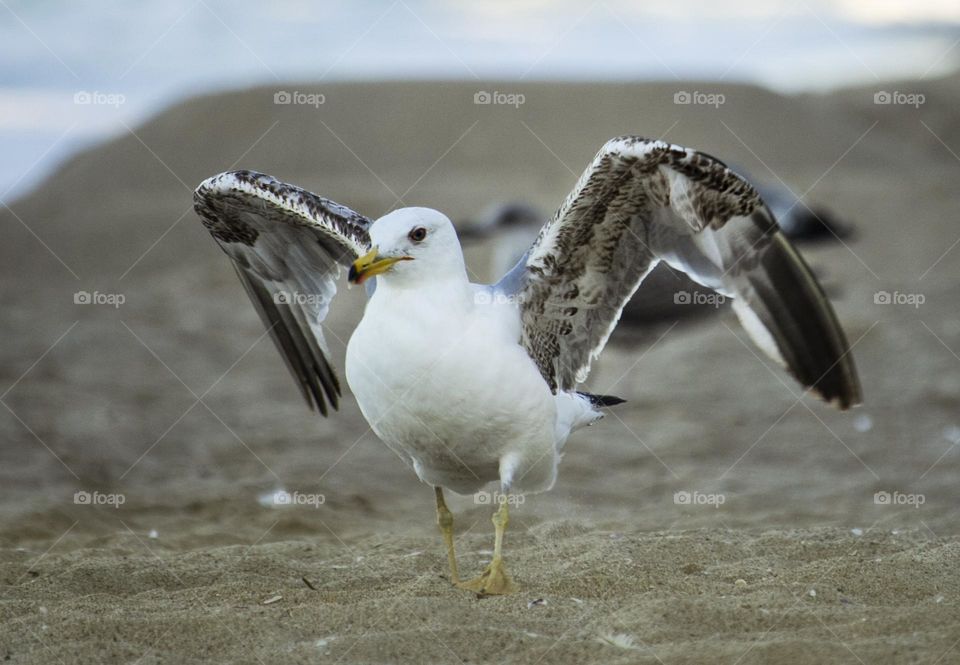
(640, 202)
(287, 246)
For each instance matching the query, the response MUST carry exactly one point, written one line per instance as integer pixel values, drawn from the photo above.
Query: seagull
(472, 384)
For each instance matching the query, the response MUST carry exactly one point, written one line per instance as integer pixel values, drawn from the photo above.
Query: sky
(73, 73)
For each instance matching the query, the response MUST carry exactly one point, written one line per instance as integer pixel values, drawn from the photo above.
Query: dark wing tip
(839, 386)
(796, 312)
(286, 324)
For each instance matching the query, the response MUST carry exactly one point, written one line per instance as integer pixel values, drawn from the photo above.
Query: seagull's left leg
(494, 580)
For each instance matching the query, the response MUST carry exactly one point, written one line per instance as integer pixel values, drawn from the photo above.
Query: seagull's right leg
(445, 522)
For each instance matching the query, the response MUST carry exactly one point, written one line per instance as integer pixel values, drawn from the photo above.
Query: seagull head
(410, 245)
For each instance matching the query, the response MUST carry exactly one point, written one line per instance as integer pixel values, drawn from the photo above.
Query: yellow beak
(370, 264)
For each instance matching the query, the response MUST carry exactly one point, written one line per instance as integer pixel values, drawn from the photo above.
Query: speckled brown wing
(642, 201)
(287, 246)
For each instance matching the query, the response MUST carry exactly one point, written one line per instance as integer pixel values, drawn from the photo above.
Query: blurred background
(133, 58)
(147, 427)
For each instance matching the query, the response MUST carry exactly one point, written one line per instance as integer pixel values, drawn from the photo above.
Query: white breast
(443, 381)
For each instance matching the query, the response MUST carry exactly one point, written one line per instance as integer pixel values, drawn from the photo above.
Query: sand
(799, 564)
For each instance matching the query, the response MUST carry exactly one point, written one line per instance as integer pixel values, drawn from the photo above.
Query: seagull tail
(576, 410)
(598, 401)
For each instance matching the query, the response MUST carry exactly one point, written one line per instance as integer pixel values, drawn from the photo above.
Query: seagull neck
(447, 288)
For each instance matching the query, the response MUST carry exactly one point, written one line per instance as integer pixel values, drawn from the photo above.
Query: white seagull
(471, 384)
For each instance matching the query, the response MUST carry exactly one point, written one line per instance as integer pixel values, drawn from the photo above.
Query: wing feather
(287, 246)
(641, 202)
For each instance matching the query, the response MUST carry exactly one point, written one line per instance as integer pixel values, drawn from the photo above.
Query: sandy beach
(146, 431)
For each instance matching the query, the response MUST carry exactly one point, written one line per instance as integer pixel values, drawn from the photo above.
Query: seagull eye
(418, 234)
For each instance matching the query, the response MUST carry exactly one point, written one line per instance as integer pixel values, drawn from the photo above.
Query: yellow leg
(445, 522)
(494, 580)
